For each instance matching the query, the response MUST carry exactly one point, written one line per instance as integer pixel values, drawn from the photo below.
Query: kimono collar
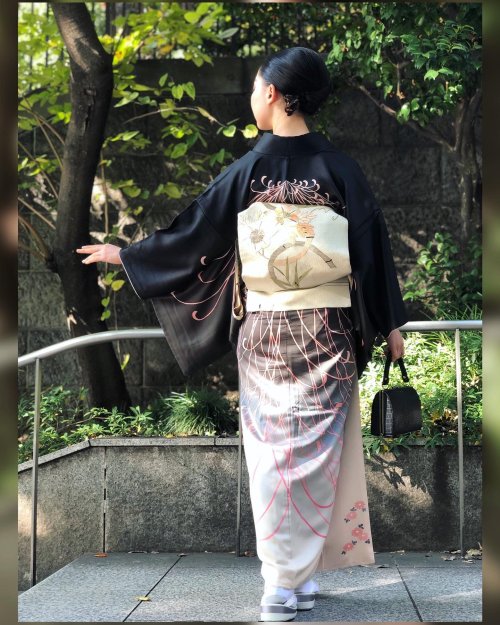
(297, 145)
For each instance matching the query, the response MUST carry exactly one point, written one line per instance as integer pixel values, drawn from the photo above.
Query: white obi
(293, 256)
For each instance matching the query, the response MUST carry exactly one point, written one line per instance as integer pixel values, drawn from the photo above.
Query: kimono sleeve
(372, 258)
(186, 271)
(166, 260)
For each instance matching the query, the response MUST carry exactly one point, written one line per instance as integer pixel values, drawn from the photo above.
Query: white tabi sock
(286, 593)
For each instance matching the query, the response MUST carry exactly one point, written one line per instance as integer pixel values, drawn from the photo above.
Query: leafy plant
(430, 363)
(419, 63)
(64, 421)
(59, 408)
(444, 282)
(200, 412)
(44, 79)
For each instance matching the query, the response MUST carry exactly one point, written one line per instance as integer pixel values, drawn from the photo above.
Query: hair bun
(296, 73)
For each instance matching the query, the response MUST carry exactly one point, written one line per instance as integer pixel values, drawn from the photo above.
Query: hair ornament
(291, 102)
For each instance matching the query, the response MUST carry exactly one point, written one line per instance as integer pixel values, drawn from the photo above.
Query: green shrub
(63, 420)
(444, 282)
(430, 363)
(201, 412)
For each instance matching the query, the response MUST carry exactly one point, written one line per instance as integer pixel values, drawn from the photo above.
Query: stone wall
(180, 495)
(413, 180)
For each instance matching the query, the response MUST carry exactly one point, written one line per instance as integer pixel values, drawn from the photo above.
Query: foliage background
(445, 59)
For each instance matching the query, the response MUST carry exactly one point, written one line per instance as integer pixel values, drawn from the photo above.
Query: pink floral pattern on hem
(358, 533)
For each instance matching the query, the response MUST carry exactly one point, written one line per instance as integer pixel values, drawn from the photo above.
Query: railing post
(238, 501)
(34, 469)
(458, 368)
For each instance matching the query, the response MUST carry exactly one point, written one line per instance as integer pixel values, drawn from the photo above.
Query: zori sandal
(306, 595)
(274, 607)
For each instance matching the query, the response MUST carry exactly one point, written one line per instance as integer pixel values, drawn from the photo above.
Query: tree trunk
(91, 90)
(465, 154)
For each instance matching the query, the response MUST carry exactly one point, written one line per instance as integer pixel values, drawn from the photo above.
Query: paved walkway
(408, 586)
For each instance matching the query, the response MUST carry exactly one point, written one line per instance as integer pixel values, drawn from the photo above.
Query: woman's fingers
(86, 249)
(100, 253)
(395, 343)
(93, 250)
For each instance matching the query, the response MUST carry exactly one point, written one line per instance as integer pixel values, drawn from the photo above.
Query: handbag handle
(400, 362)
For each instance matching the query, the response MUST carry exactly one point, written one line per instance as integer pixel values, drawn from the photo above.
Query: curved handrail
(151, 333)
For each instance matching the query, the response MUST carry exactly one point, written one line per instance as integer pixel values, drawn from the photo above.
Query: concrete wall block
(353, 112)
(160, 367)
(162, 371)
(59, 369)
(134, 369)
(41, 302)
(228, 75)
(402, 176)
(132, 311)
(172, 498)
(23, 255)
(401, 135)
(415, 498)
(70, 512)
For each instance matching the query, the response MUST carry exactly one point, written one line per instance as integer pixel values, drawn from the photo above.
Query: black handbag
(396, 410)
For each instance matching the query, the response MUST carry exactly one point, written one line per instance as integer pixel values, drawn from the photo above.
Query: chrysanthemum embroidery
(358, 533)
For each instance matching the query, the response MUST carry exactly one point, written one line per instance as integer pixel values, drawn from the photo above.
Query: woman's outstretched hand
(100, 253)
(395, 344)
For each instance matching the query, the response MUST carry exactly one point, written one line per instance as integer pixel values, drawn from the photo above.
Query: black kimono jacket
(187, 269)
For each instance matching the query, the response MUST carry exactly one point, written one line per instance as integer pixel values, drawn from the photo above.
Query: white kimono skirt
(301, 428)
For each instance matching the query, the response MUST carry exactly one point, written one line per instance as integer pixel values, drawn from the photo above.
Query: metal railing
(149, 333)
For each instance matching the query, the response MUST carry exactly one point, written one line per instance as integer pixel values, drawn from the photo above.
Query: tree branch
(44, 173)
(428, 132)
(35, 212)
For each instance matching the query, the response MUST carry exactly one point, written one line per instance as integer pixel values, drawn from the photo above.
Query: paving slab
(94, 589)
(219, 587)
(452, 594)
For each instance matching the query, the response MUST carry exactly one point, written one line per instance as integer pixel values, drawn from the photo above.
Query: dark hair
(301, 76)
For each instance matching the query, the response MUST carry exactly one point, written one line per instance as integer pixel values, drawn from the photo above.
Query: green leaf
(127, 98)
(177, 91)
(105, 301)
(225, 34)
(132, 191)
(191, 17)
(108, 278)
(431, 73)
(189, 88)
(229, 131)
(167, 108)
(105, 315)
(179, 150)
(125, 136)
(206, 114)
(250, 131)
(172, 190)
(116, 285)
(404, 112)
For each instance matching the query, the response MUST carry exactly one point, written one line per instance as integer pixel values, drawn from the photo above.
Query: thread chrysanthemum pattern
(293, 192)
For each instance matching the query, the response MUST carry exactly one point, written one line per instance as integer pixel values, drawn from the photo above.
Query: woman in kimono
(310, 235)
